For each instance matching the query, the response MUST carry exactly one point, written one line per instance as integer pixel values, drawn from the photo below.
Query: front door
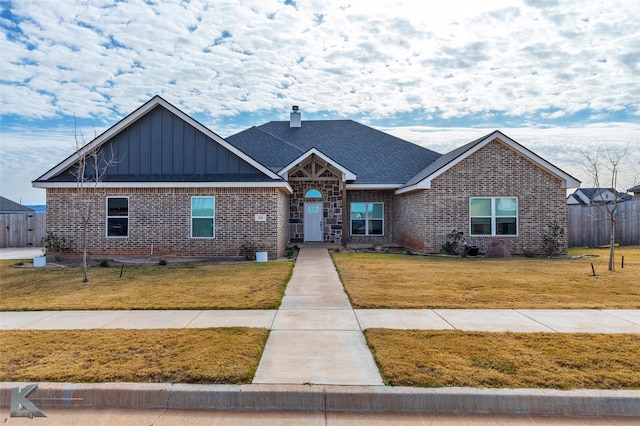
(313, 221)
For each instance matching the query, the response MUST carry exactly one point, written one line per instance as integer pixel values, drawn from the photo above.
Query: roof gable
(346, 173)
(423, 179)
(158, 142)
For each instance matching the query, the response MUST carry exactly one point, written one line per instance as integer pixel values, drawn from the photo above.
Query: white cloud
(371, 57)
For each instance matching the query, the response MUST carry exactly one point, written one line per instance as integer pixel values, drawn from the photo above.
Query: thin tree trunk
(85, 276)
(612, 242)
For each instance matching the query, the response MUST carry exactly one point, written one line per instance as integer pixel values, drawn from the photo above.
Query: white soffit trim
(277, 184)
(568, 181)
(134, 116)
(346, 173)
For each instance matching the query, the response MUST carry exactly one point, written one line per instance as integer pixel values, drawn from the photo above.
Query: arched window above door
(313, 193)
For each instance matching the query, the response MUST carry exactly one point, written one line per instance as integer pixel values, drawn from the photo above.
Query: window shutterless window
(493, 216)
(367, 218)
(203, 217)
(118, 217)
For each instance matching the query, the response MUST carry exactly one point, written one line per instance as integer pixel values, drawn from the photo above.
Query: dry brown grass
(511, 360)
(375, 280)
(231, 286)
(214, 355)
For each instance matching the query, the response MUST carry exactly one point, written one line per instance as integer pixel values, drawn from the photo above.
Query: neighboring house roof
(8, 206)
(586, 196)
(155, 116)
(374, 157)
(634, 189)
(422, 180)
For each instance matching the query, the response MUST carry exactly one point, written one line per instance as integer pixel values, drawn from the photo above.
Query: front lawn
(506, 360)
(379, 280)
(222, 286)
(210, 355)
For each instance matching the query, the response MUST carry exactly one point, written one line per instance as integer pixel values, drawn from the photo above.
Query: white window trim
(366, 220)
(493, 217)
(191, 217)
(106, 227)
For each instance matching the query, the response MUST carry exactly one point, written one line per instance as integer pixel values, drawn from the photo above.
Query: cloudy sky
(560, 77)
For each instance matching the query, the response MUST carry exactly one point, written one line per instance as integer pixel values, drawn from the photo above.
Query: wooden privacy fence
(22, 230)
(590, 225)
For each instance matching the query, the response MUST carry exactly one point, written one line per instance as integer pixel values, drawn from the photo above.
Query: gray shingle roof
(8, 206)
(374, 156)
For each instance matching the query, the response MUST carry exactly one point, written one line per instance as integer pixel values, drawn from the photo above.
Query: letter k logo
(21, 406)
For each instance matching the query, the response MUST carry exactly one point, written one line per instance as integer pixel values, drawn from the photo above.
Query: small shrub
(452, 243)
(529, 253)
(553, 241)
(104, 263)
(162, 262)
(292, 252)
(248, 249)
(336, 250)
(20, 263)
(387, 251)
(54, 245)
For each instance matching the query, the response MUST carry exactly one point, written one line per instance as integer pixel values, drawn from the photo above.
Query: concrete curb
(355, 399)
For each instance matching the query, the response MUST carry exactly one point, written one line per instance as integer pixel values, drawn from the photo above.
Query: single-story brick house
(178, 188)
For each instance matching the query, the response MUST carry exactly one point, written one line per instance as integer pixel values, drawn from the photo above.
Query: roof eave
(69, 185)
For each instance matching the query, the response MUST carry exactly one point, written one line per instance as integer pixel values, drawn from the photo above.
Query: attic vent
(296, 119)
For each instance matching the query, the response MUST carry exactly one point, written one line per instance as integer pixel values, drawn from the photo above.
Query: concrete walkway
(315, 337)
(497, 320)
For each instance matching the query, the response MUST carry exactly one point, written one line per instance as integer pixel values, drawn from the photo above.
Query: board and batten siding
(161, 146)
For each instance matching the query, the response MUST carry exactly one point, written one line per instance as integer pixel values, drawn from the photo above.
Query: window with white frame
(203, 217)
(118, 217)
(367, 218)
(493, 215)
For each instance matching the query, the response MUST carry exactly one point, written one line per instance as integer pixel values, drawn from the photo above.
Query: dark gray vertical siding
(188, 146)
(144, 165)
(156, 141)
(160, 143)
(200, 153)
(167, 143)
(133, 155)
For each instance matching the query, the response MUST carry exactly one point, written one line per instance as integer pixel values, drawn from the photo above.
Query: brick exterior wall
(161, 218)
(380, 196)
(493, 171)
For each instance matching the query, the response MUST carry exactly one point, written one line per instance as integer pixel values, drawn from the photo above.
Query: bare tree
(91, 167)
(603, 169)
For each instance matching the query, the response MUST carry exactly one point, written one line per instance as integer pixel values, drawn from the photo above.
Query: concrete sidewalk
(497, 320)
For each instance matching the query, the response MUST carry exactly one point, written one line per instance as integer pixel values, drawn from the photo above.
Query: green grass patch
(506, 360)
(222, 286)
(213, 355)
(375, 280)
